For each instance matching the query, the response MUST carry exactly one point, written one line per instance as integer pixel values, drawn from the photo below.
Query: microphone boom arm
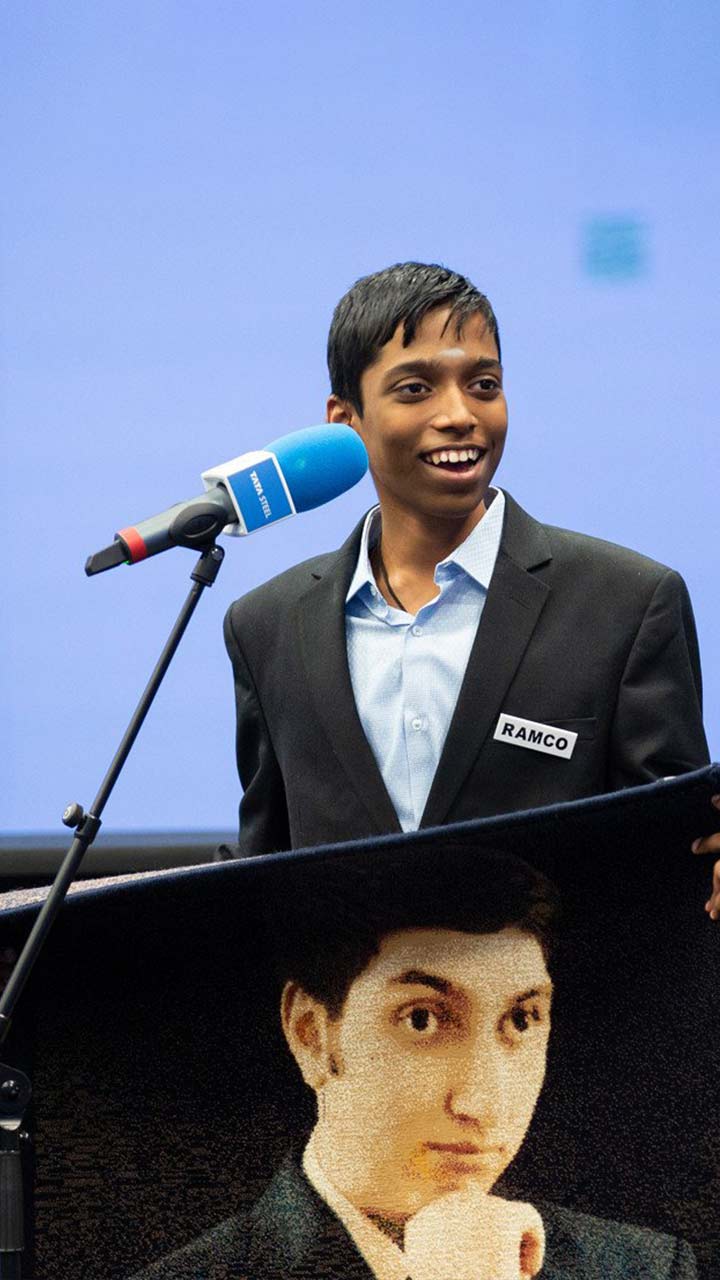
(14, 1085)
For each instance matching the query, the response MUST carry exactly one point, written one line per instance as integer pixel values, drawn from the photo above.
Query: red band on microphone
(134, 543)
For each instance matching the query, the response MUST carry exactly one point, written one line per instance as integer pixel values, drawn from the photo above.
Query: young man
(455, 658)
(417, 1007)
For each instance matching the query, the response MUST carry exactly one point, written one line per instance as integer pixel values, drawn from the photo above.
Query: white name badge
(535, 736)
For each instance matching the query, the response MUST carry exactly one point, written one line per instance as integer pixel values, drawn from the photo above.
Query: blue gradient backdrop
(188, 189)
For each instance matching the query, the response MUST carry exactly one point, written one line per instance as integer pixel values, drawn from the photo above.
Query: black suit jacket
(576, 632)
(291, 1234)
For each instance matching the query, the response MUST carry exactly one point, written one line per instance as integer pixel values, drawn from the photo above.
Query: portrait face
(428, 1079)
(434, 418)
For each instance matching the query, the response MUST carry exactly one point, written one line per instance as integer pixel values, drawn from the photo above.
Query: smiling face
(428, 1079)
(434, 418)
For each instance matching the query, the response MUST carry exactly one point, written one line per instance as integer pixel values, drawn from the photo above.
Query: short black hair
(369, 313)
(328, 926)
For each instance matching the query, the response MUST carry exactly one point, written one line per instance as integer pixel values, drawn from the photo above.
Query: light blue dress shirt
(406, 671)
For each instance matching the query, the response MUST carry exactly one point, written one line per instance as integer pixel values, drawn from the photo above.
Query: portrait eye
(420, 1021)
(522, 1017)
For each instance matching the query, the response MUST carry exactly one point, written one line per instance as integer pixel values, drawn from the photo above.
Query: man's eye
(523, 1017)
(487, 384)
(413, 388)
(421, 1020)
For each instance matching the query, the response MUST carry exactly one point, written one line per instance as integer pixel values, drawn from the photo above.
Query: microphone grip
(193, 524)
(201, 521)
(136, 542)
(108, 558)
(151, 536)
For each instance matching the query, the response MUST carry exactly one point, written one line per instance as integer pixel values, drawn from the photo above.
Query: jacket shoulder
(284, 589)
(581, 1245)
(525, 536)
(219, 1254)
(583, 546)
(533, 543)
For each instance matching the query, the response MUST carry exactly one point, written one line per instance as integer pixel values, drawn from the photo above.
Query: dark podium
(165, 1097)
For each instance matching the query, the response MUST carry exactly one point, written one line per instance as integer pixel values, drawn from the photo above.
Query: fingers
(708, 844)
(712, 906)
(711, 844)
(468, 1235)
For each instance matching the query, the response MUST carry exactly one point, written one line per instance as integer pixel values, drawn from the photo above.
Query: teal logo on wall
(615, 248)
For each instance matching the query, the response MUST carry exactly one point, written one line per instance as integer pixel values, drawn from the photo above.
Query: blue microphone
(294, 473)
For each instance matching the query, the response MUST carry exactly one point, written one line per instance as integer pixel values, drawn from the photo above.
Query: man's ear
(305, 1022)
(342, 411)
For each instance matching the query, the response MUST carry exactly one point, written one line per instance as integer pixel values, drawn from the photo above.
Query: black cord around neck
(388, 584)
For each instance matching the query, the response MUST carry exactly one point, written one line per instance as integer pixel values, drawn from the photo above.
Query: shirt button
(417, 723)
(417, 631)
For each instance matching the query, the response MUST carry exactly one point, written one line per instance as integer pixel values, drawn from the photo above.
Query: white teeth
(453, 455)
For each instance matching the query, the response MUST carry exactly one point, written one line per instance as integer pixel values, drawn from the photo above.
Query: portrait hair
(370, 312)
(350, 905)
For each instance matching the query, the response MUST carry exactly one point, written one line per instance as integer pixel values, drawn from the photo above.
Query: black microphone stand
(15, 1090)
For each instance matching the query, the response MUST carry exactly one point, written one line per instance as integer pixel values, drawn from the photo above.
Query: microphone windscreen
(319, 463)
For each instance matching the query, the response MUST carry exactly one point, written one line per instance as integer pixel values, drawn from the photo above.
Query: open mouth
(454, 459)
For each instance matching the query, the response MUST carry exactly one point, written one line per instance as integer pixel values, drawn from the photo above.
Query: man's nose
(453, 410)
(478, 1088)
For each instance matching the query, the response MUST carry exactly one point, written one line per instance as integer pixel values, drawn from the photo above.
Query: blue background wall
(189, 188)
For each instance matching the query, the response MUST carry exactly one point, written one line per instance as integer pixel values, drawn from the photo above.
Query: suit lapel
(514, 603)
(321, 624)
(295, 1236)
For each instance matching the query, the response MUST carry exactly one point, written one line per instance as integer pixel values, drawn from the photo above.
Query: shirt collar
(476, 556)
(384, 1258)
(478, 553)
(363, 575)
